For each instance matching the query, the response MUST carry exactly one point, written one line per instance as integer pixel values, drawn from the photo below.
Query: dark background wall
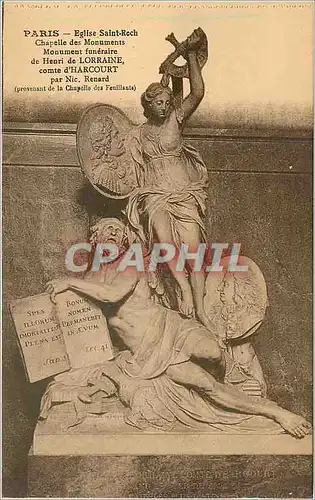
(260, 194)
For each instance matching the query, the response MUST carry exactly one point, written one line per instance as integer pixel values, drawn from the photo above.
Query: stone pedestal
(108, 434)
(168, 443)
(104, 457)
(169, 476)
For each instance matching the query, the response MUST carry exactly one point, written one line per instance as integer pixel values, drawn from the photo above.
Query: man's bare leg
(192, 375)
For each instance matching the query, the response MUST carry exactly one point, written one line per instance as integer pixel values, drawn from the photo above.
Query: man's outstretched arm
(107, 293)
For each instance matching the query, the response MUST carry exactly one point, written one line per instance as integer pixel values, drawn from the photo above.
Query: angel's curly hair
(153, 90)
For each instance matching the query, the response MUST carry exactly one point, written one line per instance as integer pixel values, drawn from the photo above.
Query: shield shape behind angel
(102, 152)
(236, 302)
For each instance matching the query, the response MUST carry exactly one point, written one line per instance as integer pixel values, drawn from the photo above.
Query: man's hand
(56, 286)
(84, 395)
(104, 384)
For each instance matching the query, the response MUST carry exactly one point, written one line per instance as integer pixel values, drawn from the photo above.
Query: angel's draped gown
(171, 176)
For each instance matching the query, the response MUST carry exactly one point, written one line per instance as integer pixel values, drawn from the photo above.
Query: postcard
(157, 189)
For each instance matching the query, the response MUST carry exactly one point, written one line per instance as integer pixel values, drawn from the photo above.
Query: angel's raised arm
(197, 88)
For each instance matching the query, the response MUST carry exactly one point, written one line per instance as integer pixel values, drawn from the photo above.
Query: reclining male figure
(161, 341)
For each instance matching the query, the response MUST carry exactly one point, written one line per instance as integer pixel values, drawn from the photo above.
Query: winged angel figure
(163, 177)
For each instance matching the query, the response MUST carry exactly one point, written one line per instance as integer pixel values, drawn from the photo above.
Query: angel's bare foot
(294, 424)
(187, 304)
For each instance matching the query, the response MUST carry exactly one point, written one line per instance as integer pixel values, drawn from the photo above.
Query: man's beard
(121, 249)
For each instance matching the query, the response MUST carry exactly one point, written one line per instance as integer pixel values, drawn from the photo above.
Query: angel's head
(157, 101)
(105, 138)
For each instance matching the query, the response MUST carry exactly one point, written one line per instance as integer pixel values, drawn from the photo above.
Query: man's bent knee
(207, 348)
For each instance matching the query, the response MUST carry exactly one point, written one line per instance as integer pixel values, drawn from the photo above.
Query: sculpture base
(106, 458)
(169, 444)
(168, 476)
(108, 434)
